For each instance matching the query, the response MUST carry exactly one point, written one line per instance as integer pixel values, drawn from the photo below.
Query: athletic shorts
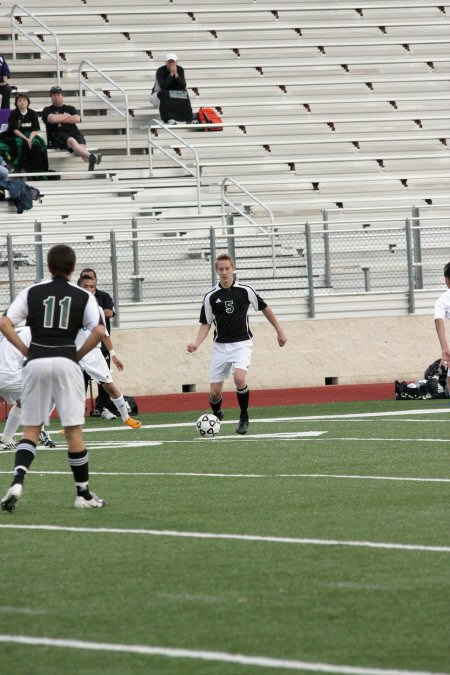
(95, 366)
(60, 138)
(227, 356)
(52, 381)
(12, 391)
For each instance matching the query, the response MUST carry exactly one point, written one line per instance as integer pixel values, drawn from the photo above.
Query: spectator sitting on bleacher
(169, 92)
(27, 148)
(5, 89)
(4, 173)
(62, 132)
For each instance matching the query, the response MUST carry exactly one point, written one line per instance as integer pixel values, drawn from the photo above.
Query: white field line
(230, 537)
(223, 657)
(189, 474)
(271, 420)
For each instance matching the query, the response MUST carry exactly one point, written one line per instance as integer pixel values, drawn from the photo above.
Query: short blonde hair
(224, 256)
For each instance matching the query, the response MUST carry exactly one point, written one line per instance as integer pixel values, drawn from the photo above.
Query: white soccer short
(12, 391)
(51, 381)
(228, 356)
(95, 366)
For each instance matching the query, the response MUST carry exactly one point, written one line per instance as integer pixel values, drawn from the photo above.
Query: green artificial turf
(308, 601)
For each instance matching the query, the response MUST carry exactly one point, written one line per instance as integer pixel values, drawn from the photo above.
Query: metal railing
(154, 145)
(16, 28)
(83, 83)
(140, 266)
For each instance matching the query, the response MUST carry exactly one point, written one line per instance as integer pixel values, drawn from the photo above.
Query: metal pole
(115, 280)
(212, 246)
(366, 272)
(326, 250)
(309, 263)
(412, 301)
(10, 254)
(231, 244)
(137, 279)
(416, 233)
(38, 253)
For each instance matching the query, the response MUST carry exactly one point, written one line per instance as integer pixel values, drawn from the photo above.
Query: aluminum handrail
(224, 200)
(153, 144)
(82, 82)
(228, 202)
(15, 28)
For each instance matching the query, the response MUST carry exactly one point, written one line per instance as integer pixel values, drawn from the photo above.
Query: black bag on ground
(434, 384)
(174, 104)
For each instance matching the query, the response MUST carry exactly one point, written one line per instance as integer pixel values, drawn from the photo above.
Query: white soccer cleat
(7, 444)
(9, 501)
(107, 415)
(93, 503)
(44, 439)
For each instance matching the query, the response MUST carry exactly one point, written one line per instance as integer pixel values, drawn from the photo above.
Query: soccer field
(319, 543)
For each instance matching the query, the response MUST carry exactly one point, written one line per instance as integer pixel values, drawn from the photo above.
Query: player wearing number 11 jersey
(55, 311)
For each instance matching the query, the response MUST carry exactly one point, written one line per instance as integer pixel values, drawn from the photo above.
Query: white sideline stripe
(270, 420)
(234, 537)
(187, 474)
(224, 657)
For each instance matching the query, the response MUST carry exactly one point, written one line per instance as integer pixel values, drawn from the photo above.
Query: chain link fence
(179, 265)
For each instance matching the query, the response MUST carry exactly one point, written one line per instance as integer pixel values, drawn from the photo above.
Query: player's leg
(242, 352)
(36, 402)
(11, 394)
(69, 396)
(215, 399)
(117, 398)
(11, 426)
(243, 395)
(218, 372)
(78, 458)
(23, 458)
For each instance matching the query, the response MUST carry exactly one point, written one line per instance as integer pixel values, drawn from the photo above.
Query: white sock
(12, 423)
(121, 407)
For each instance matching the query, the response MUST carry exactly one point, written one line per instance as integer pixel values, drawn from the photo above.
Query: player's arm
(109, 346)
(440, 330)
(7, 328)
(272, 319)
(201, 335)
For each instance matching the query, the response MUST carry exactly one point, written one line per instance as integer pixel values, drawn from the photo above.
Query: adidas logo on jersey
(218, 300)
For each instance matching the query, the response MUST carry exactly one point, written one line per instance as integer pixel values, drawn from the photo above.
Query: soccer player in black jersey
(226, 305)
(54, 310)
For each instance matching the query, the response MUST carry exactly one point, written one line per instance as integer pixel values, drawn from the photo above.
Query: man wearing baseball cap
(62, 132)
(173, 107)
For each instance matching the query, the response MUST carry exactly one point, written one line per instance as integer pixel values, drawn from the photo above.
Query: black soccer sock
(79, 463)
(215, 405)
(243, 396)
(25, 453)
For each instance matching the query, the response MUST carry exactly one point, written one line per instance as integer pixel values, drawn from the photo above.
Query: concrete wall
(354, 351)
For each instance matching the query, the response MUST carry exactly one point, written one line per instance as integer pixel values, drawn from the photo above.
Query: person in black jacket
(62, 131)
(169, 92)
(106, 302)
(28, 149)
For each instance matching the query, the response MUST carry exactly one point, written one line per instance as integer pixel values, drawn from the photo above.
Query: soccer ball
(208, 425)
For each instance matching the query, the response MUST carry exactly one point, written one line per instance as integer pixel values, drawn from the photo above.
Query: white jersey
(11, 360)
(442, 306)
(93, 363)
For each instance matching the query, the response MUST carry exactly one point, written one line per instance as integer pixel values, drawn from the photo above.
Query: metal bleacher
(325, 105)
